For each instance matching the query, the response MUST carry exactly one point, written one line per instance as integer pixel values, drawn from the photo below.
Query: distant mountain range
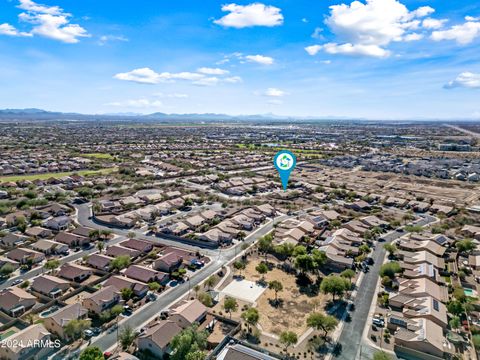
(39, 114)
(33, 114)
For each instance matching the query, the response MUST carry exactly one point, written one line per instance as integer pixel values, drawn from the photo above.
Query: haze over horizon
(372, 59)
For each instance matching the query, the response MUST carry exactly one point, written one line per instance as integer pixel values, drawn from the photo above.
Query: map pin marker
(284, 162)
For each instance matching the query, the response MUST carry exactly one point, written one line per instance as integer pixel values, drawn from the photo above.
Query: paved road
(465, 131)
(351, 336)
(220, 257)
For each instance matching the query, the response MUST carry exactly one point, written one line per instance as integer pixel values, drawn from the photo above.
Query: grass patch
(56, 175)
(101, 156)
(6, 334)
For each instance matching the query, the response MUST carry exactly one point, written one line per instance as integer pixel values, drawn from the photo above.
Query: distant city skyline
(373, 59)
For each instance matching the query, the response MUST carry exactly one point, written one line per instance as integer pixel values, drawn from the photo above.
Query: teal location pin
(285, 162)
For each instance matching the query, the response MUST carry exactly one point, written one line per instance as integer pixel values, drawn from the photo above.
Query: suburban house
(241, 352)
(422, 287)
(100, 262)
(13, 240)
(168, 262)
(118, 250)
(140, 245)
(23, 344)
(157, 338)
(49, 247)
(101, 300)
(56, 322)
(50, 286)
(144, 274)
(188, 312)
(24, 256)
(71, 240)
(15, 301)
(58, 223)
(74, 272)
(120, 282)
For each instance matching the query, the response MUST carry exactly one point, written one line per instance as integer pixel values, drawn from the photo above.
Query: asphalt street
(351, 336)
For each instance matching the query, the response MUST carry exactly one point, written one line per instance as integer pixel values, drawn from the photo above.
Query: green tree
(325, 323)
(120, 262)
(348, 274)
(288, 338)
(381, 355)
(299, 250)
(265, 245)
(74, 328)
(262, 269)
(116, 310)
(126, 293)
(455, 307)
(153, 286)
(205, 299)
(476, 341)
(239, 266)
(455, 322)
(100, 246)
(230, 305)
(390, 269)
(465, 246)
(6, 270)
(188, 341)
(127, 337)
(277, 287)
(210, 282)
(335, 285)
(305, 263)
(251, 317)
(92, 353)
(196, 355)
(94, 234)
(51, 264)
(391, 248)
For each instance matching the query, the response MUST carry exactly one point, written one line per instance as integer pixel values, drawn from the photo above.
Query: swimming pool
(470, 292)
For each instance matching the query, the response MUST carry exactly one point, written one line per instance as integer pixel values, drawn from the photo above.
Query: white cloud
(423, 11)
(413, 37)
(353, 50)
(256, 14)
(472, 18)
(137, 103)
(274, 92)
(10, 30)
(366, 29)
(33, 7)
(313, 49)
(463, 34)
(430, 23)
(104, 39)
(317, 33)
(466, 80)
(212, 71)
(260, 59)
(149, 76)
(47, 21)
(55, 27)
(142, 76)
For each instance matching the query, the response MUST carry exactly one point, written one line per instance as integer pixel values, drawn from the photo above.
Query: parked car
(17, 282)
(88, 333)
(378, 322)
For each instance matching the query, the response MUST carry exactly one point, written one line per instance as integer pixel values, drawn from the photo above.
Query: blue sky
(378, 59)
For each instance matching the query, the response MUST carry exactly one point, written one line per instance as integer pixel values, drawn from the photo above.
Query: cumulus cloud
(274, 92)
(47, 21)
(463, 34)
(466, 80)
(366, 29)
(256, 14)
(172, 96)
(10, 30)
(149, 76)
(430, 23)
(212, 71)
(260, 59)
(137, 103)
